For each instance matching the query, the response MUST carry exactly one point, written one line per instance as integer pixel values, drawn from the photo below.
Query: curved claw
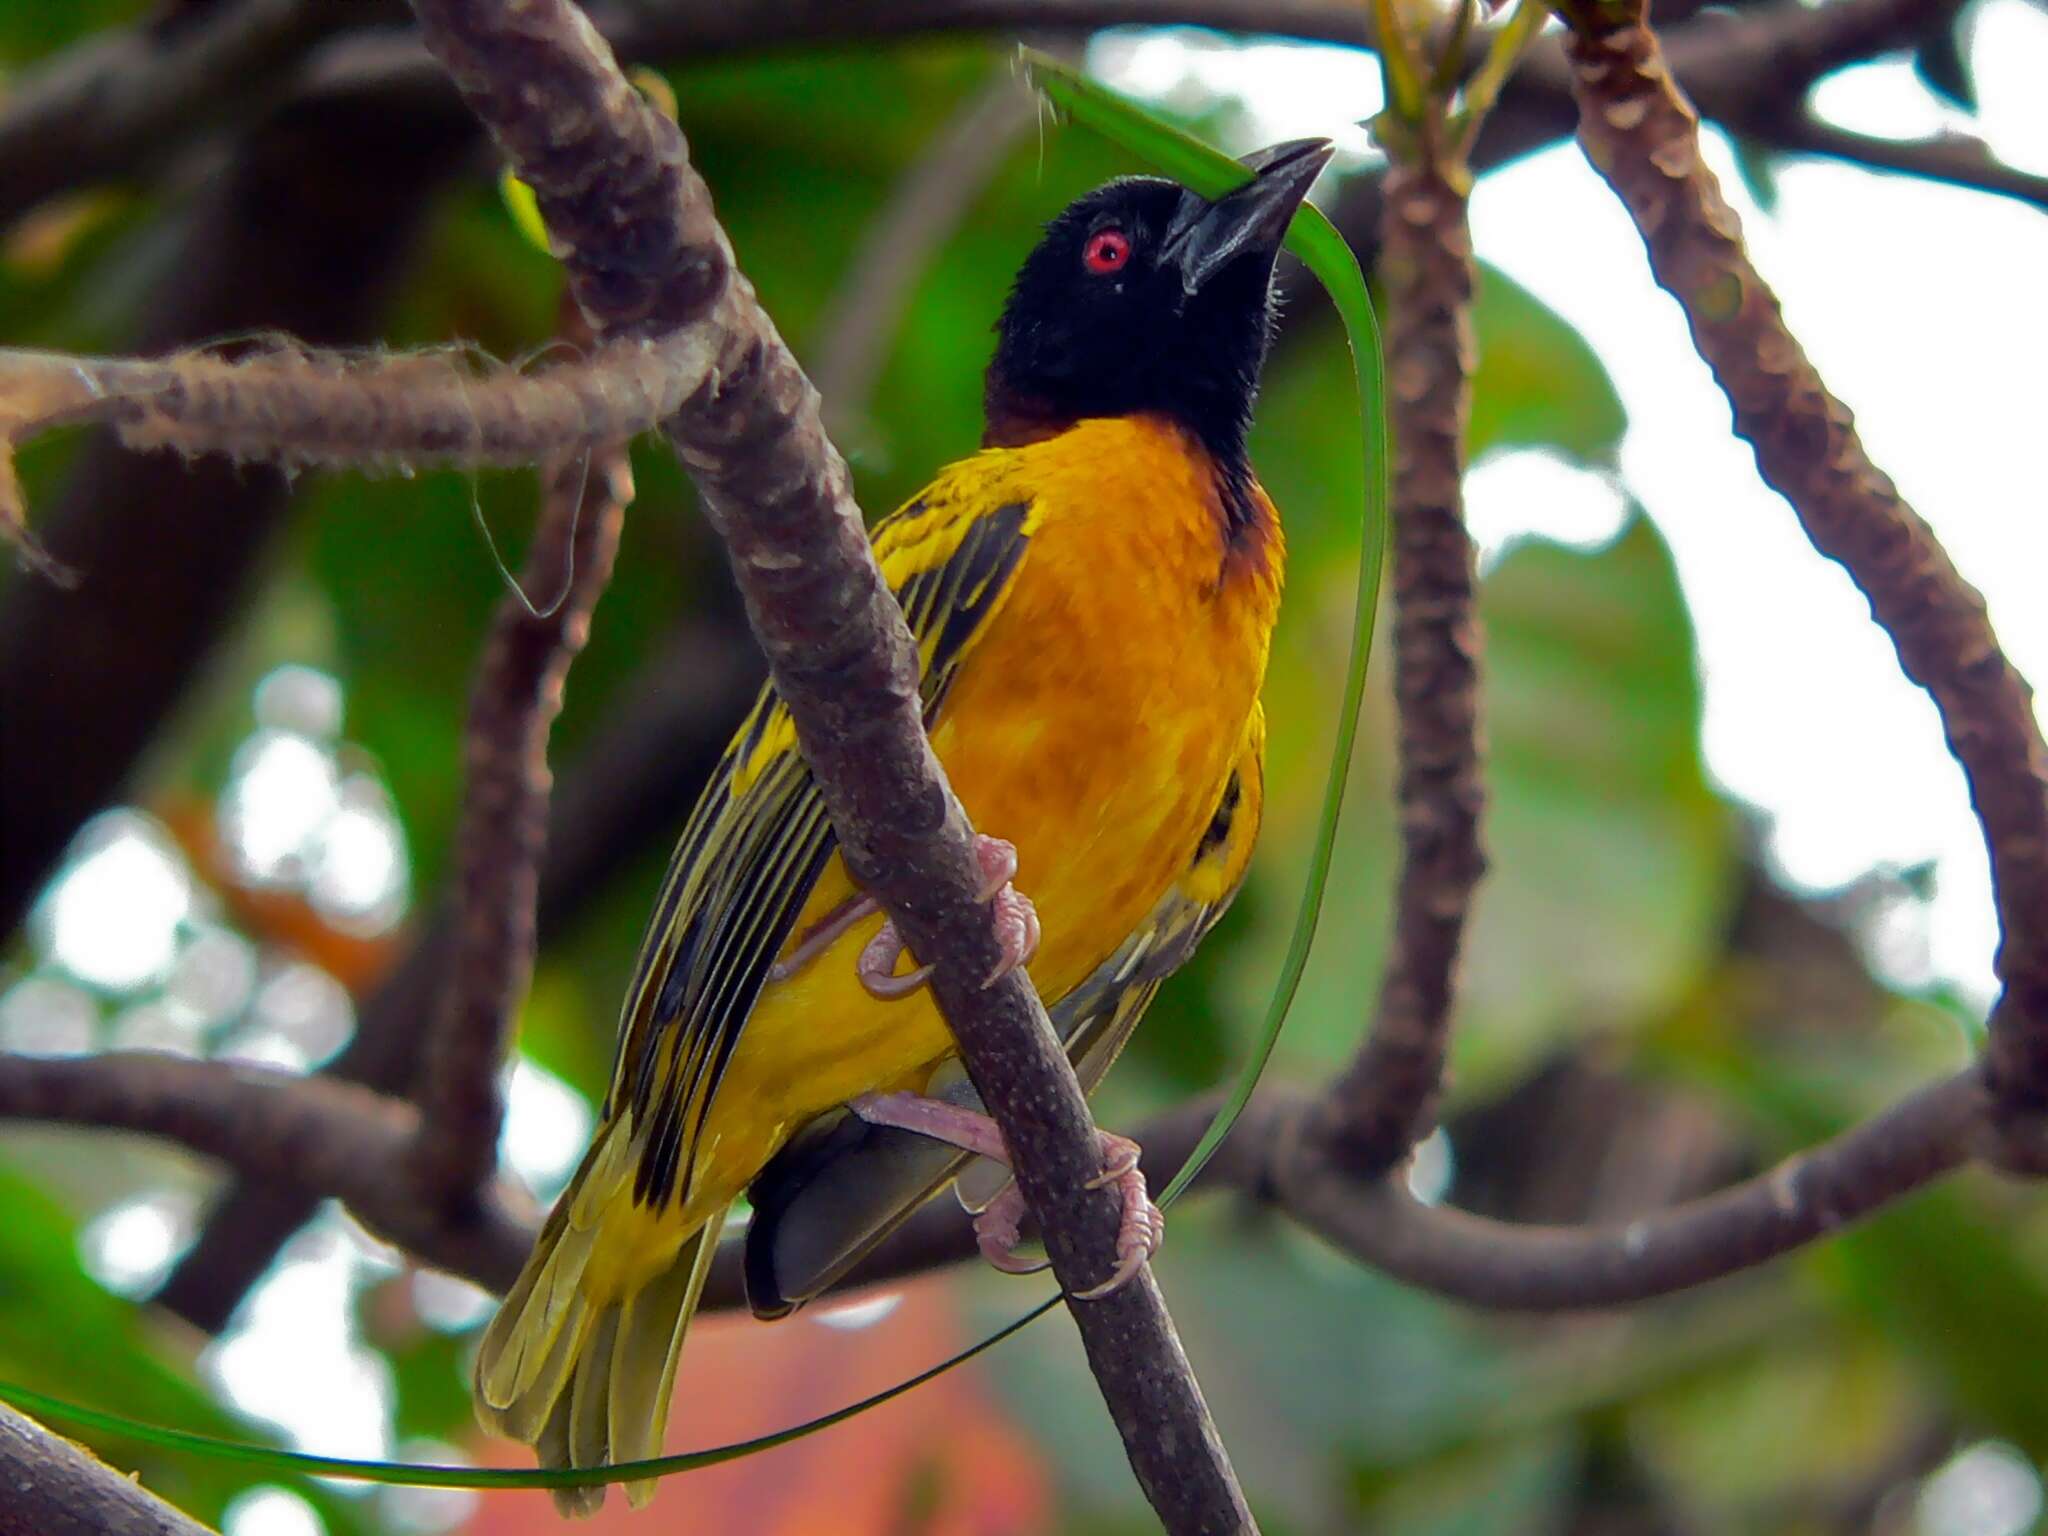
(997, 1231)
(1143, 1230)
(1017, 930)
(877, 967)
(822, 937)
(1119, 1161)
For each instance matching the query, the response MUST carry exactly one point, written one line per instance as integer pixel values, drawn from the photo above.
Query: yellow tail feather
(580, 1361)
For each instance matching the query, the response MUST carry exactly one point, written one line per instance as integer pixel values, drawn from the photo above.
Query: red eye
(1107, 251)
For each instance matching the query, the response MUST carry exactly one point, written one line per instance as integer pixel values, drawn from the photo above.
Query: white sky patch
(129, 1248)
(856, 1315)
(1432, 1168)
(449, 1303)
(300, 699)
(547, 1126)
(213, 977)
(2009, 39)
(152, 1026)
(292, 1358)
(112, 918)
(1530, 492)
(357, 859)
(1987, 1490)
(271, 1511)
(282, 788)
(47, 1016)
(1301, 90)
(302, 1006)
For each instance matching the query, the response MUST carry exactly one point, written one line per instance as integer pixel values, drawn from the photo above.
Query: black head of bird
(1146, 297)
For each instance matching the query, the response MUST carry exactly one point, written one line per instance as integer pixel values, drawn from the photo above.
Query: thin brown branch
(1641, 134)
(646, 256)
(347, 1143)
(1386, 1100)
(295, 407)
(325, 1135)
(627, 790)
(140, 95)
(518, 693)
(1959, 159)
(58, 1488)
(1506, 1266)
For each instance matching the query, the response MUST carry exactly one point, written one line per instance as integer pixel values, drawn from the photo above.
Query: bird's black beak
(1206, 237)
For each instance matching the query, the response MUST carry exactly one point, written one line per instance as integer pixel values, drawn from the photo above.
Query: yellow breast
(1093, 724)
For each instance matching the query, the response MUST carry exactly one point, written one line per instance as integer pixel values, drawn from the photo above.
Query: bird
(1093, 594)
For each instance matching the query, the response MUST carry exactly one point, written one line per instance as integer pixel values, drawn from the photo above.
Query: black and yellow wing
(759, 838)
(841, 1185)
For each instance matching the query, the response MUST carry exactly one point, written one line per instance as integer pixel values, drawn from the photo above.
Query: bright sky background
(1919, 303)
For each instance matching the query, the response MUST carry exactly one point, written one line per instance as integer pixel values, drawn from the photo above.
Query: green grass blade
(270, 1459)
(1315, 240)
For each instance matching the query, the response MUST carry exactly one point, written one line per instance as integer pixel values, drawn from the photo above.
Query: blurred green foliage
(1605, 933)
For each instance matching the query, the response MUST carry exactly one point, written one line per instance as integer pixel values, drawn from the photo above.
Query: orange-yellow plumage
(1102, 776)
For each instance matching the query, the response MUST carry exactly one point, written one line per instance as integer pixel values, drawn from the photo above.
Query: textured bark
(1386, 1100)
(56, 1488)
(645, 254)
(329, 1137)
(1643, 137)
(350, 1144)
(1510, 1266)
(518, 693)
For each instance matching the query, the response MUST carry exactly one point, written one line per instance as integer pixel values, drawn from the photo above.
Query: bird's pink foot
(1017, 929)
(999, 1228)
(1143, 1231)
(821, 936)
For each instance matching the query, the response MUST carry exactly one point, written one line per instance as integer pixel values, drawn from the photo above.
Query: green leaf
(1538, 383)
(59, 1328)
(1612, 857)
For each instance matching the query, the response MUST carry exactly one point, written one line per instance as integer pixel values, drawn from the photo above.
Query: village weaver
(1092, 595)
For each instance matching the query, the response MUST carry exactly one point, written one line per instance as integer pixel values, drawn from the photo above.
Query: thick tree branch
(1643, 137)
(58, 1488)
(1386, 1100)
(517, 695)
(327, 1136)
(646, 256)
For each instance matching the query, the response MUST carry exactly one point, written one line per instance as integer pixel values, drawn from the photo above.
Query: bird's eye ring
(1107, 251)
